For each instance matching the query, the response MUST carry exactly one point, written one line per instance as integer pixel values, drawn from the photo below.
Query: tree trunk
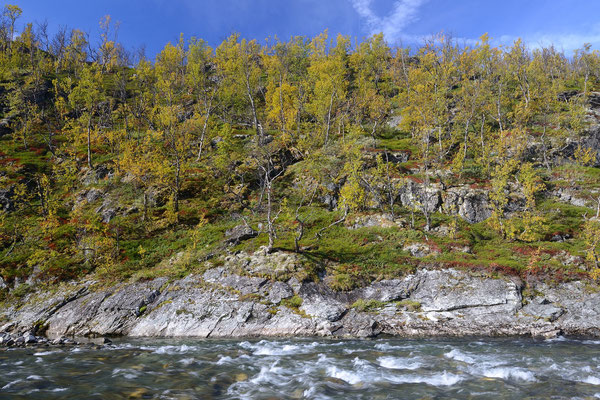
(257, 126)
(300, 234)
(89, 143)
(329, 118)
(204, 127)
(544, 146)
(177, 188)
(281, 113)
(270, 227)
(466, 139)
(390, 189)
(145, 215)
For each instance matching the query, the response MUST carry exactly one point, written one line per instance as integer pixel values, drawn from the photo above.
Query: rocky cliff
(222, 302)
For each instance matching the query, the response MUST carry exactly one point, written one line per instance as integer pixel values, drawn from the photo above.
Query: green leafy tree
(85, 100)
(327, 73)
(239, 63)
(202, 82)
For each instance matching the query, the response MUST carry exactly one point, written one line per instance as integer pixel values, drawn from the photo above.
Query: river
(306, 368)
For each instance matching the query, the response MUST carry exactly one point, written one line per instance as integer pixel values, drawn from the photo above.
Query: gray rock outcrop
(223, 303)
(471, 204)
(7, 199)
(240, 233)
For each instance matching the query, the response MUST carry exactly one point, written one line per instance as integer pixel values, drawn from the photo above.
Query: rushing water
(306, 368)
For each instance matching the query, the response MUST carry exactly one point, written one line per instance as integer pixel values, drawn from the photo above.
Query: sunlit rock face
(224, 303)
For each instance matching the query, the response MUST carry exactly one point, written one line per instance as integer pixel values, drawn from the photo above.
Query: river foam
(312, 369)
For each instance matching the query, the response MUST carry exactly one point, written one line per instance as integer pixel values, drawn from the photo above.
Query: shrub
(342, 282)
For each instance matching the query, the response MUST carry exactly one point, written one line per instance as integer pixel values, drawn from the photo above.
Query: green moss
(409, 305)
(343, 282)
(250, 297)
(367, 305)
(164, 303)
(22, 290)
(181, 311)
(293, 302)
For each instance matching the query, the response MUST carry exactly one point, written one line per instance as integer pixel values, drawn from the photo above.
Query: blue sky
(566, 23)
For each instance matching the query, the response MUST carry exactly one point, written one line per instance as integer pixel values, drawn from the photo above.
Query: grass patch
(294, 302)
(367, 305)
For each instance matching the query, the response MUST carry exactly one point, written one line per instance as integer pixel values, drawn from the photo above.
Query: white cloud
(403, 13)
(565, 42)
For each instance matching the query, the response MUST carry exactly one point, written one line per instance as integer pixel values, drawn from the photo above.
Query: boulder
(274, 265)
(331, 196)
(470, 204)
(396, 157)
(566, 195)
(394, 121)
(539, 307)
(516, 203)
(93, 194)
(5, 338)
(95, 175)
(449, 290)
(5, 127)
(360, 325)
(278, 291)
(34, 277)
(102, 172)
(29, 338)
(6, 199)
(580, 302)
(107, 210)
(420, 250)
(319, 301)
(374, 220)
(475, 208)
(420, 196)
(240, 233)
(214, 143)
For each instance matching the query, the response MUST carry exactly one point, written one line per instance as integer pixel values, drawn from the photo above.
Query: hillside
(362, 162)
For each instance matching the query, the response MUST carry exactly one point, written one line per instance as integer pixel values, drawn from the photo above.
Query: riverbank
(224, 303)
